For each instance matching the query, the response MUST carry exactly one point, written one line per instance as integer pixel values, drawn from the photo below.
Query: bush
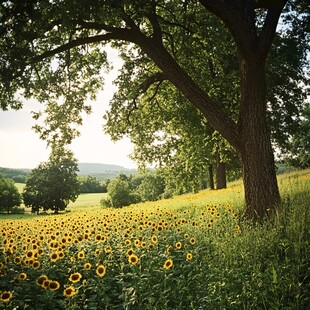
(119, 192)
(106, 202)
(18, 210)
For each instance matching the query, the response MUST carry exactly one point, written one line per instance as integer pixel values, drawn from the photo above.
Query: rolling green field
(193, 251)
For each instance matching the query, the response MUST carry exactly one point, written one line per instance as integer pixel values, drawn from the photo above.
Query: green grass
(20, 186)
(86, 202)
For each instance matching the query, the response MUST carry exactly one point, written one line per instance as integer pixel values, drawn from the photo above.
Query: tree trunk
(220, 172)
(259, 177)
(211, 178)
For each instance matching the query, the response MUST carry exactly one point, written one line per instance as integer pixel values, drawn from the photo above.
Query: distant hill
(99, 171)
(100, 168)
(103, 171)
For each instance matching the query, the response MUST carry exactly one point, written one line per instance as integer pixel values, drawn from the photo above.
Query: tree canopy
(9, 195)
(53, 184)
(54, 51)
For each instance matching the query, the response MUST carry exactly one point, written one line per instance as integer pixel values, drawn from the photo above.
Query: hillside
(193, 251)
(103, 171)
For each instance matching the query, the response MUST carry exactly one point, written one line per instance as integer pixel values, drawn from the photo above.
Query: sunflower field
(181, 253)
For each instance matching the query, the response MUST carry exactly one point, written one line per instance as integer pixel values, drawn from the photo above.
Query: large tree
(53, 51)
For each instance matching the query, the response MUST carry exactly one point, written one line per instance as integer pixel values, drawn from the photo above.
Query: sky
(20, 146)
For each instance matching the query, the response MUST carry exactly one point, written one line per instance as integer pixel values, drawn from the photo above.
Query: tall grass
(190, 252)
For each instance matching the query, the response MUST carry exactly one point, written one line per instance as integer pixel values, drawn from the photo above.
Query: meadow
(193, 251)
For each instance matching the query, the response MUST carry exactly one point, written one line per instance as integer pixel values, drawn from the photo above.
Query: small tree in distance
(151, 187)
(119, 192)
(9, 195)
(53, 184)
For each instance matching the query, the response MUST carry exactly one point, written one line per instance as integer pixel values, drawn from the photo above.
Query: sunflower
(16, 282)
(238, 229)
(69, 291)
(192, 240)
(101, 271)
(154, 239)
(133, 259)
(75, 277)
(127, 242)
(23, 276)
(34, 246)
(143, 244)
(87, 266)
(6, 296)
(46, 283)
(81, 255)
(168, 264)
(29, 254)
(17, 260)
(61, 254)
(130, 252)
(178, 245)
(54, 257)
(189, 256)
(41, 280)
(107, 249)
(36, 264)
(54, 285)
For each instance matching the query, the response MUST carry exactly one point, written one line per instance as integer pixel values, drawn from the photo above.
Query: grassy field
(190, 252)
(86, 202)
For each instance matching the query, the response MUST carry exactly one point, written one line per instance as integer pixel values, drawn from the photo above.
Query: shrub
(119, 192)
(18, 210)
(106, 202)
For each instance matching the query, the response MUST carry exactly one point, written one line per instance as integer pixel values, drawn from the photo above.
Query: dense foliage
(9, 195)
(125, 190)
(90, 184)
(52, 185)
(17, 175)
(190, 252)
(297, 150)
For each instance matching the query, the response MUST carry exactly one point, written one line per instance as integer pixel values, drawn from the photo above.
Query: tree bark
(220, 172)
(259, 176)
(211, 178)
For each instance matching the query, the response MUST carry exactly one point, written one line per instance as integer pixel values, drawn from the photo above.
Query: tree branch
(156, 90)
(177, 76)
(157, 77)
(269, 28)
(153, 18)
(117, 34)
